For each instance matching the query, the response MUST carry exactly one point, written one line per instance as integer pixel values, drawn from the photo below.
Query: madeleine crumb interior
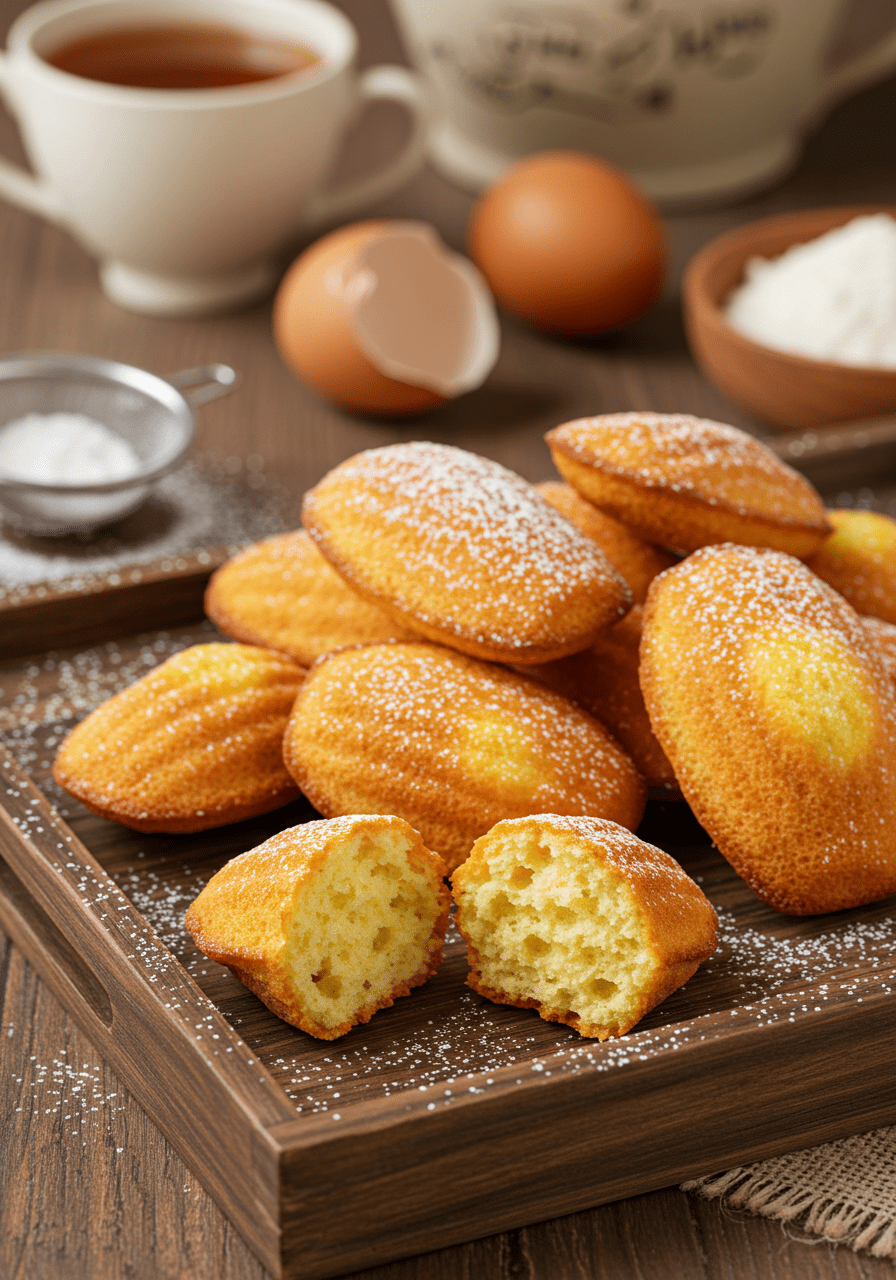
(329, 921)
(579, 919)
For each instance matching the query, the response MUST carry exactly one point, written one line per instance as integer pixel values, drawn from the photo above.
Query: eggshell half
(381, 317)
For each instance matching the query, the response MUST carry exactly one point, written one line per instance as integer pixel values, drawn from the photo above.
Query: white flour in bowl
(831, 299)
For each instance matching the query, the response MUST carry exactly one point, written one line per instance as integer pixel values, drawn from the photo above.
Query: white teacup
(699, 99)
(187, 195)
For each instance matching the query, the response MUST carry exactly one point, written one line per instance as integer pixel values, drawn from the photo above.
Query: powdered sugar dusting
(460, 1044)
(211, 501)
(727, 591)
(444, 1045)
(769, 584)
(621, 848)
(777, 713)
(377, 713)
(683, 454)
(457, 541)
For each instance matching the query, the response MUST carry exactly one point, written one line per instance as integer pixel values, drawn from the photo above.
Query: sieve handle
(208, 382)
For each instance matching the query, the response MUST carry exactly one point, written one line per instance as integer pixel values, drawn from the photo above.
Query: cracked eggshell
(382, 318)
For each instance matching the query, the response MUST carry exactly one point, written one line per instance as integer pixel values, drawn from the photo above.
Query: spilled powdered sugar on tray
(767, 969)
(211, 501)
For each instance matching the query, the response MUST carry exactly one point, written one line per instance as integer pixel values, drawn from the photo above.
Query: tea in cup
(186, 143)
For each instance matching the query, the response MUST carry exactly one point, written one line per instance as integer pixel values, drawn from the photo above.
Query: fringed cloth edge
(843, 1192)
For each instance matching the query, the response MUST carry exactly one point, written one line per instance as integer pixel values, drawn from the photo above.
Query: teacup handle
(861, 69)
(393, 84)
(16, 184)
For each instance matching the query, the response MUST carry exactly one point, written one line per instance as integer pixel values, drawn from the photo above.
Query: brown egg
(569, 243)
(382, 318)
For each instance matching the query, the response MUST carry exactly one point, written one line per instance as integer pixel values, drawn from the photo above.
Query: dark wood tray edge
(314, 1200)
(132, 599)
(140, 1008)
(313, 1203)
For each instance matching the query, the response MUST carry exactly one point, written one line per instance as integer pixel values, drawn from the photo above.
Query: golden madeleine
(633, 559)
(464, 552)
(579, 919)
(859, 561)
(194, 744)
(882, 636)
(282, 594)
(604, 680)
(329, 921)
(775, 710)
(683, 482)
(450, 744)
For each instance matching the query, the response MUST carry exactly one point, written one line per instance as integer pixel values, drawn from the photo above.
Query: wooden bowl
(786, 390)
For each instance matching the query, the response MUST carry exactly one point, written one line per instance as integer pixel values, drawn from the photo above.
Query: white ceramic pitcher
(699, 99)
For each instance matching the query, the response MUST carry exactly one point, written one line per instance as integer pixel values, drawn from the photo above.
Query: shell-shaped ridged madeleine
(329, 921)
(683, 482)
(450, 744)
(579, 919)
(772, 702)
(464, 552)
(282, 594)
(194, 744)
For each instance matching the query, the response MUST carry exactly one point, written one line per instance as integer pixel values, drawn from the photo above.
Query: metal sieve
(154, 415)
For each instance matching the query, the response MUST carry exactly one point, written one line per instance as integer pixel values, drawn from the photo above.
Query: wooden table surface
(89, 1189)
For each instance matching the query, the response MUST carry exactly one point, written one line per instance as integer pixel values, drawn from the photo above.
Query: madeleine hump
(464, 552)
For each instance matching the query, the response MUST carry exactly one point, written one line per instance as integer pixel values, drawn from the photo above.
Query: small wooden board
(446, 1117)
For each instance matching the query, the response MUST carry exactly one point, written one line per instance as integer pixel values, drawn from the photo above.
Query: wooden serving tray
(446, 1117)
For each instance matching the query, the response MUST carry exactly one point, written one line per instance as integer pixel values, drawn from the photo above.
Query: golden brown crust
(882, 636)
(450, 744)
(604, 680)
(464, 552)
(683, 482)
(242, 917)
(192, 745)
(676, 922)
(634, 559)
(859, 561)
(778, 717)
(282, 594)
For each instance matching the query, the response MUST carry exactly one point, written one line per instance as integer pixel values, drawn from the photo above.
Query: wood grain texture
(783, 1002)
(122, 1205)
(134, 599)
(105, 963)
(73, 1204)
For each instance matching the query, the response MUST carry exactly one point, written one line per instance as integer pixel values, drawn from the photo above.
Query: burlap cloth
(843, 1192)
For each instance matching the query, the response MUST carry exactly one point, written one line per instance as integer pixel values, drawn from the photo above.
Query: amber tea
(177, 56)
